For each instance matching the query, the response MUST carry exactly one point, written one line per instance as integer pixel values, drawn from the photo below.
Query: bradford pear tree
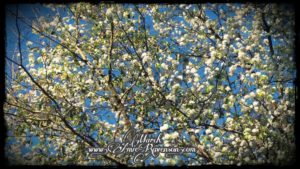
(218, 77)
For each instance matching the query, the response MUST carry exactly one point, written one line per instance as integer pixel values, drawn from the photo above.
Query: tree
(218, 77)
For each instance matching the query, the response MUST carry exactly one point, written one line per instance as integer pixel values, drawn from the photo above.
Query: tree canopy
(217, 77)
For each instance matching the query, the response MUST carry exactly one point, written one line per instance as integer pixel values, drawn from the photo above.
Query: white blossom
(29, 43)
(164, 66)
(255, 103)
(193, 70)
(255, 130)
(164, 127)
(139, 119)
(227, 89)
(146, 57)
(208, 131)
(175, 135)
